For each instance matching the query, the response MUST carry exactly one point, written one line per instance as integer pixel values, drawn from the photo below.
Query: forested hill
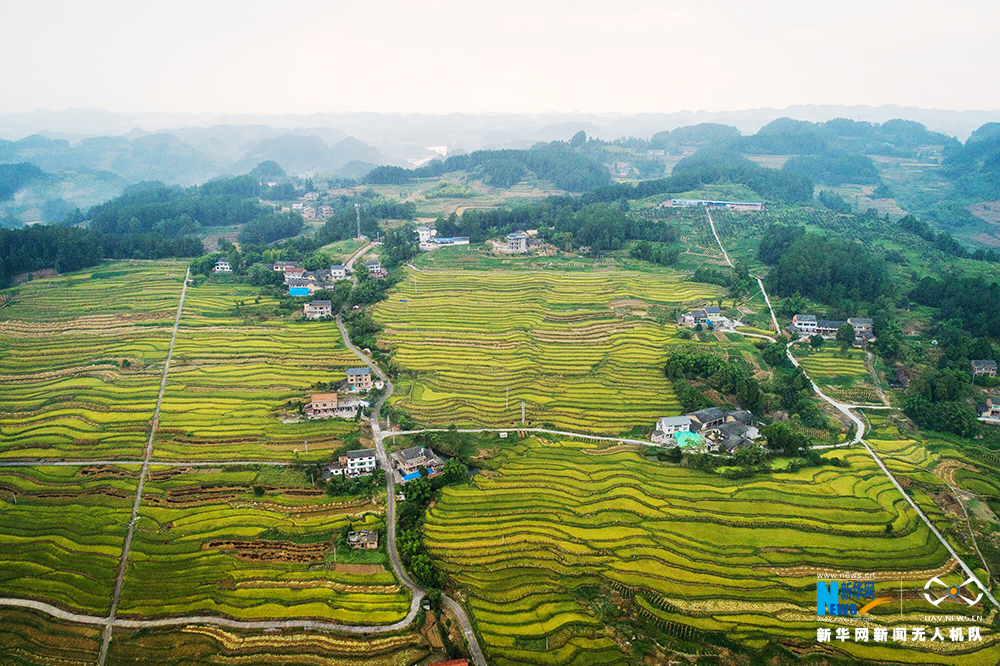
(15, 176)
(976, 165)
(567, 167)
(710, 165)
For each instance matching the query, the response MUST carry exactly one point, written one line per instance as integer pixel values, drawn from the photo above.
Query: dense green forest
(828, 269)
(64, 249)
(835, 168)
(566, 167)
(975, 166)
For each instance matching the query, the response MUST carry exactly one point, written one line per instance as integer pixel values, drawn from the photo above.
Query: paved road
(383, 458)
(116, 596)
(357, 255)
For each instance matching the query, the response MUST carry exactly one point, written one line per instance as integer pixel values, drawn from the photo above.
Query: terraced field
(582, 350)
(213, 645)
(232, 372)
(693, 551)
(61, 533)
(29, 638)
(841, 375)
(81, 358)
(205, 543)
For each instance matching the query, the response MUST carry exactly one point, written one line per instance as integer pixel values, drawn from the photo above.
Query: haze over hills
(465, 130)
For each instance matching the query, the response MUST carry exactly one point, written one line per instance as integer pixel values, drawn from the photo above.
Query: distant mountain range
(408, 136)
(94, 153)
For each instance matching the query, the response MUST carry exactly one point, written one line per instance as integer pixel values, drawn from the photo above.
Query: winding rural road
(859, 435)
(418, 592)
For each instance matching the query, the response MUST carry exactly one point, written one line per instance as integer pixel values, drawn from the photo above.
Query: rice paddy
(206, 544)
(840, 374)
(81, 357)
(692, 551)
(30, 638)
(61, 533)
(214, 645)
(582, 350)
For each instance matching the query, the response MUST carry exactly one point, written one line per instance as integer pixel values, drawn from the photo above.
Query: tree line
(65, 249)
(566, 222)
(944, 241)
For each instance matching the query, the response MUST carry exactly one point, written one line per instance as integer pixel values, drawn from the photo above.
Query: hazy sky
(303, 56)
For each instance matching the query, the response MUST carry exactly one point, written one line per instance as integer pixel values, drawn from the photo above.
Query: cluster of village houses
(711, 429)
(406, 464)
(808, 325)
(329, 405)
(301, 282)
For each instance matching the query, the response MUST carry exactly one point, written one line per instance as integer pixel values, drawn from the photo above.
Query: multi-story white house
(360, 462)
(222, 265)
(282, 266)
(425, 233)
(338, 272)
(374, 267)
(668, 426)
(517, 242)
(805, 324)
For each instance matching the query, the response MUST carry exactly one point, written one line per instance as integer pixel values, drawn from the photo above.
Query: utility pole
(522, 412)
(307, 446)
(357, 212)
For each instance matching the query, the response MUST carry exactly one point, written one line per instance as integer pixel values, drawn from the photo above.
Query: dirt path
(116, 596)
(870, 366)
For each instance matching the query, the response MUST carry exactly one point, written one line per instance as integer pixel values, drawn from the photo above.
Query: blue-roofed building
(359, 379)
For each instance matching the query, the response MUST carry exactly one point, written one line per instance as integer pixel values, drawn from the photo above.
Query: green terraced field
(147, 288)
(583, 350)
(61, 533)
(841, 375)
(205, 543)
(230, 375)
(81, 359)
(689, 548)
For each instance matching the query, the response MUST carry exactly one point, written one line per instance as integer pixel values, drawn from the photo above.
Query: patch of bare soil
(988, 211)
(271, 551)
(362, 569)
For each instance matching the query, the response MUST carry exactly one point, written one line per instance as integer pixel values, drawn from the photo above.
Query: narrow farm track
(116, 597)
(859, 439)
